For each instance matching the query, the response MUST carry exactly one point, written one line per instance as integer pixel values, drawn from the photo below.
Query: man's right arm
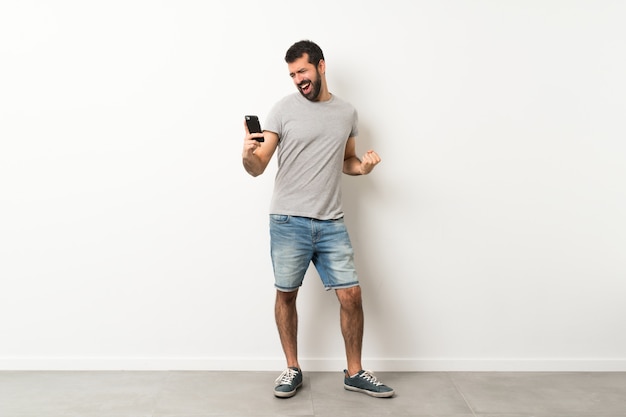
(257, 155)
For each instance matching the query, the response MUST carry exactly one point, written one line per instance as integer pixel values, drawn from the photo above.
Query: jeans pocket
(279, 218)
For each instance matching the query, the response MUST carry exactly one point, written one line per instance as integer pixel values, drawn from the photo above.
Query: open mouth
(305, 87)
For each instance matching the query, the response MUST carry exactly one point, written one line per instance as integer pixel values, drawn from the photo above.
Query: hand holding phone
(254, 126)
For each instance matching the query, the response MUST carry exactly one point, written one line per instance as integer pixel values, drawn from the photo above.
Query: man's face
(306, 77)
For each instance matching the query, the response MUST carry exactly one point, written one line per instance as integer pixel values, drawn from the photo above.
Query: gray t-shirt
(310, 154)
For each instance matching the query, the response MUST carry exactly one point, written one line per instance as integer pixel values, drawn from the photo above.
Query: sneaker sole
(288, 394)
(370, 393)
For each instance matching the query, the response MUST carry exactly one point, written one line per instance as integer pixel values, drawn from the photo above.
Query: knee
(350, 298)
(286, 298)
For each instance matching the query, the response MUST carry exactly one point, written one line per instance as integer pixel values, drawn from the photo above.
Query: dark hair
(298, 49)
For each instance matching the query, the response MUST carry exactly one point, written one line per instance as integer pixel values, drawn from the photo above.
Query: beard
(316, 88)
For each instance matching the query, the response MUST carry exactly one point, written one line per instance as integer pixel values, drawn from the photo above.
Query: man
(314, 133)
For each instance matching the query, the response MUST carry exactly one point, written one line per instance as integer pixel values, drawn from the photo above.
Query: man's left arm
(352, 165)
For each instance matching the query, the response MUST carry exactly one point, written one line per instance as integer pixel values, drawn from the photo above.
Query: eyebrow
(302, 69)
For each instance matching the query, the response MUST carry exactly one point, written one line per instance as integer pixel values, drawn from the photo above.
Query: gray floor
(239, 394)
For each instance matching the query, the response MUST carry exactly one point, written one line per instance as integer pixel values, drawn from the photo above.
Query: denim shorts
(298, 241)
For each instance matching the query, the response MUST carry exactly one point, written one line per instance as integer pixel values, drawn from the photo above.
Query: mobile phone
(254, 126)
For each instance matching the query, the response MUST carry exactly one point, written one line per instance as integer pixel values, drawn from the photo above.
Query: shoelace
(370, 377)
(286, 377)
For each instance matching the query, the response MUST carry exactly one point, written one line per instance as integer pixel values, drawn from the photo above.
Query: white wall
(491, 237)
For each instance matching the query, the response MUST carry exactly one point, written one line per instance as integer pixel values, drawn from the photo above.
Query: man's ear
(321, 66)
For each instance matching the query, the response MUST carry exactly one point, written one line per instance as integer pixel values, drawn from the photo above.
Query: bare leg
(287, 322)
(351, 314)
